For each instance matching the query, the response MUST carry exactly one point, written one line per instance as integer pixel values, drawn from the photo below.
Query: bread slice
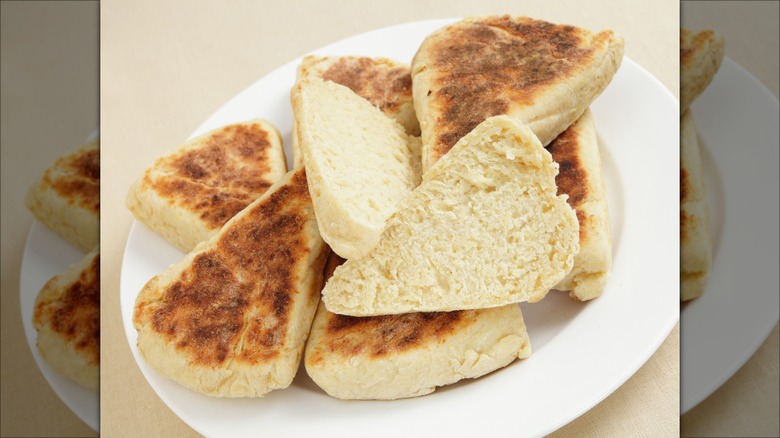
(385, 83)
(695, 234)
(700, 57)
(484, 229)
(360, 164)
(66, 198)
(576, 150)
(231, 318)
(409, 355)
(67, 320)
(189, 193)
(541, 74)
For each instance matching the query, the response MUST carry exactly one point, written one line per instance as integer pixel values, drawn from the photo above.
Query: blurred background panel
(747, 403)
(50, 105)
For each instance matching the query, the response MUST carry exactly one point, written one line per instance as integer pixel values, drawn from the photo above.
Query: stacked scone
(66, 199)
(700, 57)
(434, 238)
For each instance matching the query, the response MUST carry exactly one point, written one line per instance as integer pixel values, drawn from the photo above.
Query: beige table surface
(49, 106)
(748, 403)
(166, 68)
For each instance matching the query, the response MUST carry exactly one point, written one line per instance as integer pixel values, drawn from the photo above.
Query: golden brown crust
(222, 177)
(386, 88)
(573, 177)
(78, 178)
(380, 336)
(75, 315)
(231, 304)
(492, 63)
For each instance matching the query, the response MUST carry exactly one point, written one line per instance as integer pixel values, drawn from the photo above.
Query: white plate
(45, 255)
(737, 121)
(582, 352)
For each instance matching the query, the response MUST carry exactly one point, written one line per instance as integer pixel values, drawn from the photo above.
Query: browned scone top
(382, 82)
(241, 301)
(701, 54)
(219, 174)
(385, 83)
(76, 177)
(487, 66)
(73, 312)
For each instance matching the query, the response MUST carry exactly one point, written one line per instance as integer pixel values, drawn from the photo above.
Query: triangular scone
(576, 150)
(231, 319)
(695, 234)
(399, 356)
(360, 163)
(385, 83)
(484, 229)
(542, 74)
(188, 194)
(700, 57)
(67, 197)
(67, 320)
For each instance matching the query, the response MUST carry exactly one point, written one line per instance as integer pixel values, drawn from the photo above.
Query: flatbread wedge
(387, 84)
(576, 150)
(485, 228)
(187, 195)
(66, 198)
(700, 57)
(541, 74)
(67, 321)
(231, 318)
(409, 355)
(360, 163)
(695, 233)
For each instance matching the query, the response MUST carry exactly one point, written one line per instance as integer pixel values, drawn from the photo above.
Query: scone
(409, 355)
(700, 57)
(485, 228)
(231, 318)
(541, 74)
(576, 150)
(67, 197)
(188, 194)
(360, 163)
(385, 83)
(695, 234)
(67, 320)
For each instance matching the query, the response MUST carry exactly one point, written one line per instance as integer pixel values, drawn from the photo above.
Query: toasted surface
(67, 320)
(542, 74)
(576, 151)
(398, 356)
(484, 229)
(700, 57)
(695, 234)
(188, 194)
(67, 197)
(385, 83)
(231, 318)
(360, 163)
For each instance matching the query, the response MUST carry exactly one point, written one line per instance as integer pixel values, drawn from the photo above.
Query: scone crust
(67, 320)
(700, 57)
(231, 319)
(581, 178)
(542, 74)
(187, 195)
(66, 198)
(695, 228)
